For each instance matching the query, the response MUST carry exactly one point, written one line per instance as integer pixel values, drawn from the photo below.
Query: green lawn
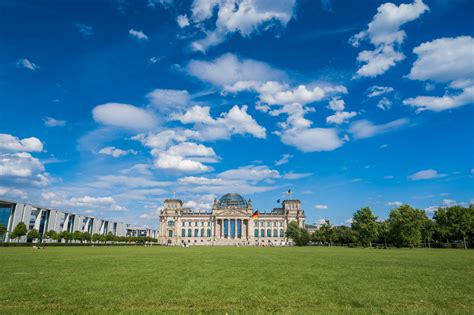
(235, 280)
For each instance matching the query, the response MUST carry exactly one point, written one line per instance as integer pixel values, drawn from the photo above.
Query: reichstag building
(232, 221)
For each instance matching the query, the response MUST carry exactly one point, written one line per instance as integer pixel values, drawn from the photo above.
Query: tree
(102, 238)
(364, 223)
(86, 236)
(328, 232)
(51, 234)
(33, 235)
(300, 236)
(95, 237)
(427, 231)
(406, 225)
(77, 236)
(456, 221)
(64, 235)
(110, 237)
(383, 231)
(19, 230)
(3, 231)
(344, 235)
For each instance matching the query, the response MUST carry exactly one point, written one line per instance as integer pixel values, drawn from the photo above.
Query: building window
(275, 233)
(189, 233)
(170, 233)
(269, 233)
(255, 233)
(196, 232)
(208, 223)
(208, 232)
(262, 233)
(202, 232)
(281, 224)
(184, 223)
(195, 223)
(282, 234)
(170, 223)
(269, 223)
(5, 215)
(183, 233)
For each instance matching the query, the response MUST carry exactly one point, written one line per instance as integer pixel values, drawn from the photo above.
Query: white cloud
(124, 116)
(229, 69)
(394, 203)
(182, 21)
(336, 104)
(138, 34)
(449, 202)
(376, 90)
(447, 60)
(250, 173)
(116, 152)
(194, 115)
(154, 59)
(426, 174)
(385, 35)
(12, 192)
(340, 117)
(185, 157)
(245, 17)
(384, 103)
(85, 30)
(293, 176)
(22, 165)
(25, 63)
(169, 100)
(312, 139)
(52, 122)
(321, 207)
(283, 159)
(9, 143)
(365, 129)
(191, 149)
(179, 163)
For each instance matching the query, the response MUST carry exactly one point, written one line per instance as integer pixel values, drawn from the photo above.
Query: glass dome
(232, 200)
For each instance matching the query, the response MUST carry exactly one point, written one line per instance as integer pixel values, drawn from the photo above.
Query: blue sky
(108, 107)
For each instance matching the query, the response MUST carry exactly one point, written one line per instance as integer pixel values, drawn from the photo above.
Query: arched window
(269, 233)
(190, 233)
(170, 233)
(183, 233)
(196, 232)
(275, 232)
(255, 233)
(170, 223)
(208, 232)
(262, 233)
(282, 234)
(202, 232)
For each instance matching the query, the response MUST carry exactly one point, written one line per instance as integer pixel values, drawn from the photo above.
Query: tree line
(405, 227)
(76, 236)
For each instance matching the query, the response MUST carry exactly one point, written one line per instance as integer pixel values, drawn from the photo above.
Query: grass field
(235, 280)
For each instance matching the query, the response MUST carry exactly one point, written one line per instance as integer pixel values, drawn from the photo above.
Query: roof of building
(232, 200)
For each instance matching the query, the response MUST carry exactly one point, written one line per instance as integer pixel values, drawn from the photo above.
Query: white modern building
(232, 221)
(46, 219)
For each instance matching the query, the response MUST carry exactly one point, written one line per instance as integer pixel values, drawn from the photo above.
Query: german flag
(255, 215)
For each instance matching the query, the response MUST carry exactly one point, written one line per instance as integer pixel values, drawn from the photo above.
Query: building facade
(45, 219)
(232, 221)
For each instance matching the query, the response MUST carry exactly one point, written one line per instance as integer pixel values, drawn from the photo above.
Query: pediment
(231, 212)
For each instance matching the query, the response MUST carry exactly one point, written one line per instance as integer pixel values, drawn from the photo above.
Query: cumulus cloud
(321, 207)
(102, 203)
(22, 168)
(444, 60)
(166, 100)
(27, 64)
(365, 129)
(283, 159)
(376, 90)
(426, 174)
(12, 192)
(385, 35)
(182, 21)
(230, 69)
(312, 139)
(394, 203)
(9, 143)
(340, 117)
(244, 17)
(52, 122)
(250, 173)
(384, 104)
(137, 34)
(84, 30)
(336, 104)
(116, 152)
(124, 116)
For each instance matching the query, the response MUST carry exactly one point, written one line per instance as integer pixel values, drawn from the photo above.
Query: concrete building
(45, 219)
(232, 221)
